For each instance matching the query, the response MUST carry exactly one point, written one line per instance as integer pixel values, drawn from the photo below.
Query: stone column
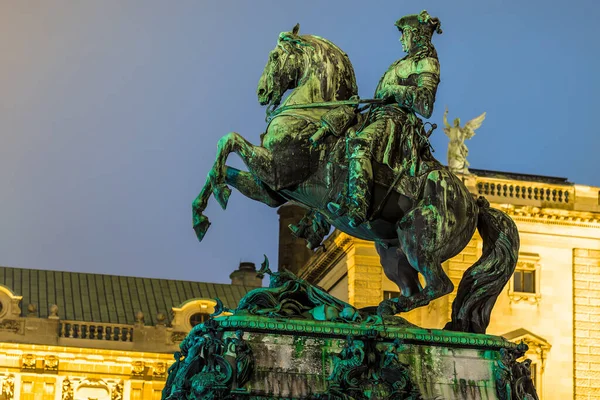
(293, 253)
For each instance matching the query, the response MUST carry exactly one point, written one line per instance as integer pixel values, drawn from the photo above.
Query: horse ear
(296, 29)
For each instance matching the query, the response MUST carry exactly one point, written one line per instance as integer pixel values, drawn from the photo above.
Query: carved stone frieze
(177, 337)
(51, 363)
(28, 361)
(137, 368)
(362, 369)
(11, 325)
(160, 369)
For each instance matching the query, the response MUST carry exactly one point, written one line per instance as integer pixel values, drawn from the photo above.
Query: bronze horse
(412, 235)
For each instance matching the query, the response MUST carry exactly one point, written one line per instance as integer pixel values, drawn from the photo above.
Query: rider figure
(395, 136)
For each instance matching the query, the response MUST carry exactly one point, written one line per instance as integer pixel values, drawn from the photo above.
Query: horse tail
(483, 282)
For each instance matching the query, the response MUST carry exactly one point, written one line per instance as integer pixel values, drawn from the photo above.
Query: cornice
(408, 334)
(334, 247)
(551, 216)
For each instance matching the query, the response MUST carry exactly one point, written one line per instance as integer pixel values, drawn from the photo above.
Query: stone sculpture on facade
(457, 150)
(8, 387)
(67, 390)
(117, 392)
(368, 171)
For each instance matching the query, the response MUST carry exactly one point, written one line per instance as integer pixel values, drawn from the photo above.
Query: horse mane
(324, 59)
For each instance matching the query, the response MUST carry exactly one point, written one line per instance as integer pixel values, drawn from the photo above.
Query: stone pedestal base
(268, 358)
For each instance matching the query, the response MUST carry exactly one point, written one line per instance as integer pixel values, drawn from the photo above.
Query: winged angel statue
(457, 150)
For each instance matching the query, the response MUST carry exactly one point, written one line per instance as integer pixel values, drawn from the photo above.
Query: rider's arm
(419, 98)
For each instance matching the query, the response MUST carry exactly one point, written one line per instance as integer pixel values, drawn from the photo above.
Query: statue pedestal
(307, 359)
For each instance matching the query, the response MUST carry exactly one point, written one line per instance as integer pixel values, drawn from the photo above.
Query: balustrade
(95, 331)
(525, 191)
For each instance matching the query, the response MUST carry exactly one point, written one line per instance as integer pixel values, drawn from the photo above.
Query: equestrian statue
(364, 166)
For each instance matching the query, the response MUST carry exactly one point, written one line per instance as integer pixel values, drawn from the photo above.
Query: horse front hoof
(222, 194)
(386, 308)
(391, 307)
(201, 225)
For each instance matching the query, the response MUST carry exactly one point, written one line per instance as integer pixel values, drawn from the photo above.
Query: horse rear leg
(425, 233)
(437, 283)
(397, 268)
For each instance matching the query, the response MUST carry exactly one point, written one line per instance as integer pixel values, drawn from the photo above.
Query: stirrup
(356, 220)
(336, 209)
(296, 230)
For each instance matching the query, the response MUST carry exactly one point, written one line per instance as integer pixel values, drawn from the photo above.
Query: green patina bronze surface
(366, 168)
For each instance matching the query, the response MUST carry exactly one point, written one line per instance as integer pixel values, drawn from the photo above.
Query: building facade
(552, 302)
(75, 336)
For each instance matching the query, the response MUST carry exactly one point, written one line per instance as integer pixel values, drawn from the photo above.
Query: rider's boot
(360, 176)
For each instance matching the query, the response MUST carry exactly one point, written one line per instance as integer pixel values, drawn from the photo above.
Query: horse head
(300, 60)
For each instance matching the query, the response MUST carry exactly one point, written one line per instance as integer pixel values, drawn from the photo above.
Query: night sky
(110, 113)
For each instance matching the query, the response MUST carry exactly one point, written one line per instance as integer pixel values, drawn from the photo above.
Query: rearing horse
(411, 235)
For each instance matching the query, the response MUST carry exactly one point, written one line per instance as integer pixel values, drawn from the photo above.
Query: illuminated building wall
(72, 336)
(553, 300)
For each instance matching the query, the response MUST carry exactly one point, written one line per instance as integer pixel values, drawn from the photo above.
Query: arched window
(198, 318)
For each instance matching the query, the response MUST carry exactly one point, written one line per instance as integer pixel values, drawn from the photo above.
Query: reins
(277, 111)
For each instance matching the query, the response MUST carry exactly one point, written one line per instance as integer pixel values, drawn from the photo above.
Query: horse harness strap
(283, 108)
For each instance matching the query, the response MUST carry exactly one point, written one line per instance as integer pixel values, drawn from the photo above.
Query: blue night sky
(110, 114)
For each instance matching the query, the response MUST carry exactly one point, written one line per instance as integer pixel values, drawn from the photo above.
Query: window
(198, 318)
(390, 295)
(524, 281)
